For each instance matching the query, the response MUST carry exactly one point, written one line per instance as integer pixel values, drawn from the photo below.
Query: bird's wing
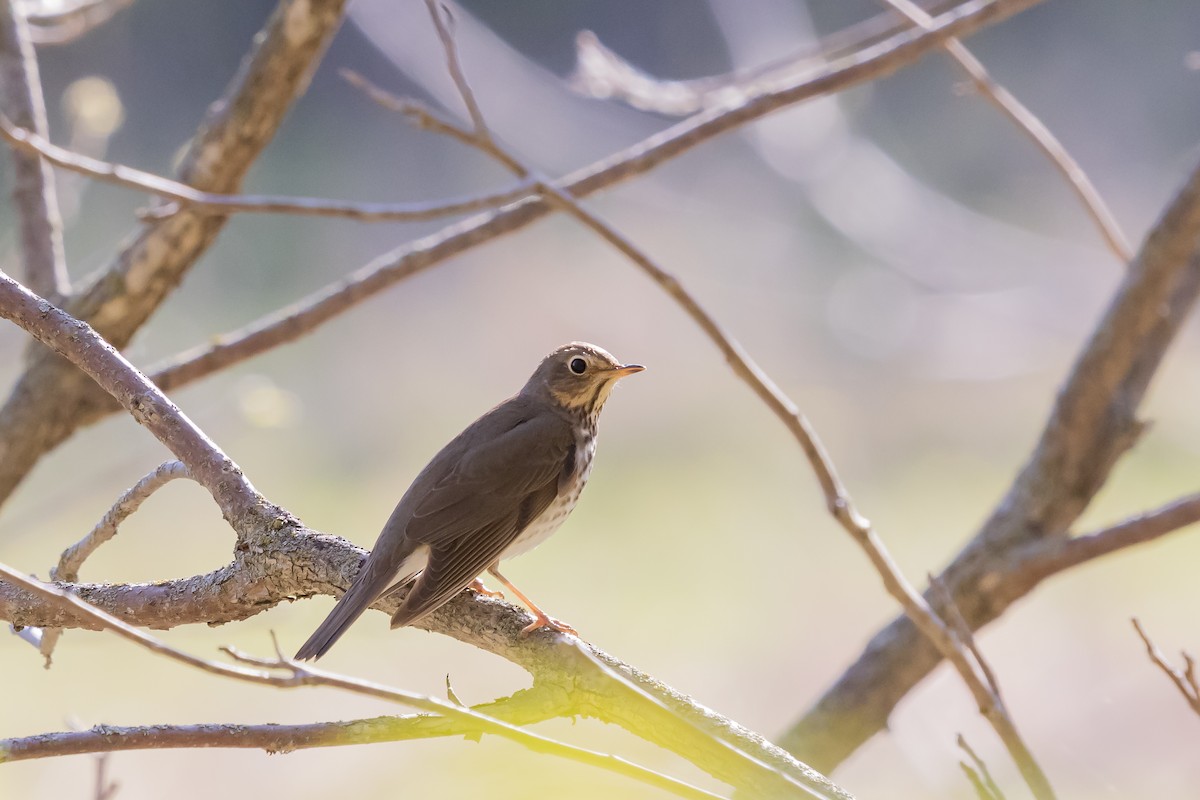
(479, 508)
(505, 478)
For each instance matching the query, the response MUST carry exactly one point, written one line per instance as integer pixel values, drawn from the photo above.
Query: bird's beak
(627, 369)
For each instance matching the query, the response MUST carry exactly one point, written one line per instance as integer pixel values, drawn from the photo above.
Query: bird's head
(579, 377)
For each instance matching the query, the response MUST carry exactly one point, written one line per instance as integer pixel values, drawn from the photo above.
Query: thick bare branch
(193, 199)
(45, 403)
(1092, 424)
(289, 562)
(286, 673)
(34, 196)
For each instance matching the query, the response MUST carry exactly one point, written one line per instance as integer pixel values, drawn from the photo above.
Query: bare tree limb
(274, 738)
(34, 195)
(1093, 422)
(186, 197)
(1050, 556)
(1184, 679)
(43, 408)
(284, 672)
(1027, 121)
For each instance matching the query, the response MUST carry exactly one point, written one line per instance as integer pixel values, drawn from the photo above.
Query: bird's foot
(542, 620)
(478, 588)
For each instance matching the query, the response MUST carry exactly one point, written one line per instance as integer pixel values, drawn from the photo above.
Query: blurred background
(899, 259)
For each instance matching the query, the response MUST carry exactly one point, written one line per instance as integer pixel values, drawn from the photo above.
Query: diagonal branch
(80, 345)
(1184, 679)
(1027, 121)
(1093, 422)
(33, 192)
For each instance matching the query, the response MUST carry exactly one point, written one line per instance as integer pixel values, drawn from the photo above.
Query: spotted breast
(576, 469)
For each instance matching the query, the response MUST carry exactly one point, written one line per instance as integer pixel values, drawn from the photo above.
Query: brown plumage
(498, 489)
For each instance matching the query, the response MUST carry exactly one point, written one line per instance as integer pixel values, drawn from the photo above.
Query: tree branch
(1184, 679)
(73, 557)
(301, 318)
(239, 502)
(283, 672)
(1027, 121)
(45, 403)
(34, 196)
(192, 199)
(286, 563)
(1092, 424)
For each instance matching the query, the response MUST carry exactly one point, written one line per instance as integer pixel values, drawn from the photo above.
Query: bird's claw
(544, 621)
(478, 587)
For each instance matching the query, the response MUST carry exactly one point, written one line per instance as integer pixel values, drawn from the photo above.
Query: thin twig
(193, 199)
(284, 672)
(1027, 121)
(129, 502)
(981, 768)
(950, 612)
(105, 789)
(1184, 679)
(74, 556)
(34, 195)
(443, 22)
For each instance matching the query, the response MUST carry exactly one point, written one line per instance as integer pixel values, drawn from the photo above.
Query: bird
(497, 490)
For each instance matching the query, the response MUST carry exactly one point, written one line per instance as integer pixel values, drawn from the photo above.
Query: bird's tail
(349, 608)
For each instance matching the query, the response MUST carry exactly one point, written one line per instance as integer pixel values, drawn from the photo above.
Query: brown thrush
(499, 489)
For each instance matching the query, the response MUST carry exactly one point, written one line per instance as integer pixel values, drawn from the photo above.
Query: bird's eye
(578, 366)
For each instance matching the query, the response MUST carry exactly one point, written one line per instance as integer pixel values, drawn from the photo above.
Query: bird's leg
(478, 587)
(541, 618)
